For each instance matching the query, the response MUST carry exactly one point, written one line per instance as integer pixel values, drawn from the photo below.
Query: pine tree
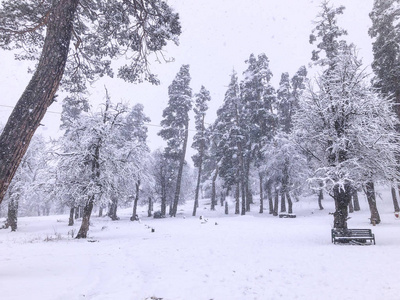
(257, 116)
(385, 31)
(176, 125)
(228, 137)
(80, 38)
(200, 138)
(326, 34)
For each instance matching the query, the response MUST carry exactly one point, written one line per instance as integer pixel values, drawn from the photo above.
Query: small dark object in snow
(135, 218)
(216, 223)
(93, 241)
(283, 215)
(153, 230)
(158, 215)
(201, 217)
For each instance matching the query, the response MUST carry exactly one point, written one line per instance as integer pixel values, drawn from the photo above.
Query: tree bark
(270, 201)
(351, 207)
(163, 198)
(283, 201)
(150, 209)
(276, 203)
(237, 198)
(196, 195)
(71, 216)
(135, 202)
(342, 198)
(320, 198)
(261, 194)
(290, 203)
(87, 212)
(355, 200)
(12, 215)
(395, 202)
(213, 190)
(39, 94)
(180, 171)
(113, 209)
(370, 191)
(226, 208)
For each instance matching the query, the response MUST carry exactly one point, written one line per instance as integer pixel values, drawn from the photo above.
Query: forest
(333, 136)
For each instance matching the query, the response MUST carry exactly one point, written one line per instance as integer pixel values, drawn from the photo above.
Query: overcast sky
(218, 36)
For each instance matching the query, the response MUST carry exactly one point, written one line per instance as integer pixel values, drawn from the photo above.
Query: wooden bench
(352, 236)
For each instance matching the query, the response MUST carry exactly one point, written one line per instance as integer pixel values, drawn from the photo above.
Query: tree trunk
(226, 208)
(395, 202)
(87, 212)
(12, 216)
(261, 194)
(270, 201)
(163, 198)
(290, 203)
(237, 198)
(355, 200)
(351, 207)
(39, 94)
(71, 216)
(243, 189)
(275, 213)
(150, 209)
(196, 195)
(101, 208)
(342, 198)
(320, 198)
(113, 208)
(213, 190)
(370, 191)
(180, 170)
(249, 195)
(196, 198)
(283, 201)
(135, 202)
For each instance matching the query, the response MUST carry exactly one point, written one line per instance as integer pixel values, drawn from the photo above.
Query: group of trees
(337, 134)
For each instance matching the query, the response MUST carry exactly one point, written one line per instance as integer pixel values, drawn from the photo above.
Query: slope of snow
(256, 256)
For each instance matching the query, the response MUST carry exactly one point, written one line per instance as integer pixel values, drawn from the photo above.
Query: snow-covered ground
(256, 256)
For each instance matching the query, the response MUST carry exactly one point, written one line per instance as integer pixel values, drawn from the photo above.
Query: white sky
(218, 36)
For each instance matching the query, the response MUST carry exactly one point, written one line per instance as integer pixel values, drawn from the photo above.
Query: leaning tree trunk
(87, 212)
(180, 170)
(370, 191)
(342, 196)
(39, 94)
(395, 202)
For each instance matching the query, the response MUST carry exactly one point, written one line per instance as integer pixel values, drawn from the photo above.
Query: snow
(256, 256)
